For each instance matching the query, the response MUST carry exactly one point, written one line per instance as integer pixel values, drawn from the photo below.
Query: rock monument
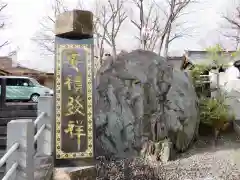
(143, 106)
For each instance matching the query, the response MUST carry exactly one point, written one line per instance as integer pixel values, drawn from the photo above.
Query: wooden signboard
(74, 127)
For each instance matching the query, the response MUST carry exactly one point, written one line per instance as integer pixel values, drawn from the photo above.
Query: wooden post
(74, 127)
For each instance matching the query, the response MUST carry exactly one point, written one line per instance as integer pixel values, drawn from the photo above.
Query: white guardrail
(21, 138)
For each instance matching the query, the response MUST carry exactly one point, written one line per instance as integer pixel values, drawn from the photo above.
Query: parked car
(24, 88)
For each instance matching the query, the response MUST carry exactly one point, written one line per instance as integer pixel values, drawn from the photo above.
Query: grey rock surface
(140, 99)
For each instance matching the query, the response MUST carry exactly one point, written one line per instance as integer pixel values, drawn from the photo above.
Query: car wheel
(34, 98)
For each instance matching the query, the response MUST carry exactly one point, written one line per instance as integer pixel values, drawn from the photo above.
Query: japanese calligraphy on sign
(75, 130)
(74, 104)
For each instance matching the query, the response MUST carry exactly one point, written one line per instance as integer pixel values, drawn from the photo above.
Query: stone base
(83, 173)
(158, 151)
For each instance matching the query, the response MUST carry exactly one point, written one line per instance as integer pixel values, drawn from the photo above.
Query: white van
(24, 88)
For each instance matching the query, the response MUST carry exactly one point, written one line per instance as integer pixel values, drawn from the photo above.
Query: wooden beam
(4, 73)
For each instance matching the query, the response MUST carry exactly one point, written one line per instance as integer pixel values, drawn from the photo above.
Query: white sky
(24, 17)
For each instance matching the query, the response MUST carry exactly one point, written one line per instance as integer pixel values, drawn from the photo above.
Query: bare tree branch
(107, 23)
(111, 18)
(103, 21)
(45, 36)
(161, 31)
(234, 21)
(148, 21)
(176, 8)
(3, 6)
(179, 33)
(4, 44)
(232, 32)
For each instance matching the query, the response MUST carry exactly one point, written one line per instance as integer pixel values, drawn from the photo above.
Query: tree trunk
(165, 54)
(114, 51)
(161, 45)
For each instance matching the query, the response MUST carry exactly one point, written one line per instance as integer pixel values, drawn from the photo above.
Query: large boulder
(141, 100)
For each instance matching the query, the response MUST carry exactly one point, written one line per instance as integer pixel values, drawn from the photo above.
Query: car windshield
(34, 81)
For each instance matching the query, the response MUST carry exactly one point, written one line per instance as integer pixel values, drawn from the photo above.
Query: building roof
(203, 57)
(174, 58)
(22, 70)
(205, 52)
(6, 65)
(15, 77)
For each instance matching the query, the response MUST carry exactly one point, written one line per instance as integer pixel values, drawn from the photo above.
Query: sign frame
(72, 159)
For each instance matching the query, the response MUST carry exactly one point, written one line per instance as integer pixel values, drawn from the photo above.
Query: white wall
(176, 63)
(230, 87)
(233, 96)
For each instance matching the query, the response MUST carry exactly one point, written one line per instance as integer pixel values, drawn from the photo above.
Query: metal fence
(22, 136)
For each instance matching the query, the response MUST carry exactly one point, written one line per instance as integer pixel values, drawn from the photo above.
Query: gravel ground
(207, 162)
(204, 161)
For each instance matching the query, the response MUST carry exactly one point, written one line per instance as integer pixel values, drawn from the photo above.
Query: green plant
(215, 113)
(216, 54)
(198, 81)
(197, 71)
